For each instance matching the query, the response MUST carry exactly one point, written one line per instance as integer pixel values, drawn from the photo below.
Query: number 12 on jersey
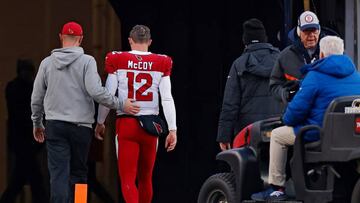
(138, 94)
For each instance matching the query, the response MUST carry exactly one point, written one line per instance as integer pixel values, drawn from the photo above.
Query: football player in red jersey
(138, 75)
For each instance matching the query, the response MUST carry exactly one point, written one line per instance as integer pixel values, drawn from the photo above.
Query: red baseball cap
(72, 28)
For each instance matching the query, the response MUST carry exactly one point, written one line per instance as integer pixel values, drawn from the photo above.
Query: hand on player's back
(131, 107)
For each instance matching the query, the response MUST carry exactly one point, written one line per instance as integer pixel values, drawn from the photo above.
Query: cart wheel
(355, 197)
(219, 188)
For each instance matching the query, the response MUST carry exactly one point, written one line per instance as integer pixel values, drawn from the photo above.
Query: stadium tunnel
(202, 37)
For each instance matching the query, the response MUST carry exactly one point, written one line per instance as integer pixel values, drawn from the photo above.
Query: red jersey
(138, 76)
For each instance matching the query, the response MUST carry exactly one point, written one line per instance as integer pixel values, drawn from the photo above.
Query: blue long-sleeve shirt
(326, 79)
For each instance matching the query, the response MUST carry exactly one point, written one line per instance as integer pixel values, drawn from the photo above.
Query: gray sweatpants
(281, 138)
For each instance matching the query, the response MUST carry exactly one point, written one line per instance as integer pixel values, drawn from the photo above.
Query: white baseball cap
(308, 20)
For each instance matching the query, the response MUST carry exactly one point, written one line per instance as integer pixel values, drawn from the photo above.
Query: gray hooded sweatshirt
(66, 85)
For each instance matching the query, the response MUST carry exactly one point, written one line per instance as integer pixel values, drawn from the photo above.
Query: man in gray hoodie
(64, 89)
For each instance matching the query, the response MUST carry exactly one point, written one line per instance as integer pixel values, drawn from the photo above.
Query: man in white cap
(303, 50)
(284, 82)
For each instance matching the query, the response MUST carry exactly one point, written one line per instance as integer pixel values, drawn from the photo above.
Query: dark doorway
(203, 38)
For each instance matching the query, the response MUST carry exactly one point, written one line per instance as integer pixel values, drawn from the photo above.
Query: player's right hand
(171, 140)
(131, 107)
(100, 131)
(224, 146)
(39, 134)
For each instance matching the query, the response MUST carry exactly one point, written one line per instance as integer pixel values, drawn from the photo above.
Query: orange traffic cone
(80, 193)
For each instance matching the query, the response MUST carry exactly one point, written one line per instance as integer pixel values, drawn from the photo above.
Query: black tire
(355, 197)
(218, 188)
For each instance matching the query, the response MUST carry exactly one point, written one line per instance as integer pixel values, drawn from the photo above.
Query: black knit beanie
(254, 31)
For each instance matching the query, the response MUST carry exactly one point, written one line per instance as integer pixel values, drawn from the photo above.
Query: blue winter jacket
(326, 79)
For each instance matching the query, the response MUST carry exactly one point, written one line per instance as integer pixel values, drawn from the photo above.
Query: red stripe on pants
(136, 158)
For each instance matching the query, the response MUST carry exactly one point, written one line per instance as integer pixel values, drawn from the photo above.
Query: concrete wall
(29, 29)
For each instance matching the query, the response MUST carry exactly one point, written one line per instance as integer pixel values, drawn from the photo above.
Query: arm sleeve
(110, 62)
(277, 79)
(230, 107)
(299, 108)
(99, 93)
(167, 102)
(167, 63)
(37, 98)
(111, 85)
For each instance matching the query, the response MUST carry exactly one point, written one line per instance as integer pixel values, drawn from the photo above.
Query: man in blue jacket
(334, 75)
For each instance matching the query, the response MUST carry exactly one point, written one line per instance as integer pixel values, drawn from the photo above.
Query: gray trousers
(67, 145)
(281, 138)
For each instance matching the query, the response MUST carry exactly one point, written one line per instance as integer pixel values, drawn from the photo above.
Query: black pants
(67, 146)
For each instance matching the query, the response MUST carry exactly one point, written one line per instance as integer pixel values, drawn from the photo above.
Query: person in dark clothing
(26, 167)
(285, 76)
(247, 98)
